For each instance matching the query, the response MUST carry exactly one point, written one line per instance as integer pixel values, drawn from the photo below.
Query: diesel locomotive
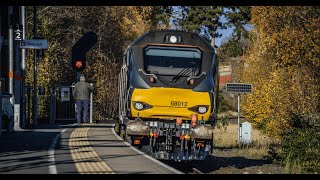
(168, 90)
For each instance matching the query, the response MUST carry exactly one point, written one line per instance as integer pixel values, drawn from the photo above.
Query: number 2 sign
(18, 34)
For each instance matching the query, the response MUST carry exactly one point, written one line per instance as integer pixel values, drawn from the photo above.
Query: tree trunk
(212, 41)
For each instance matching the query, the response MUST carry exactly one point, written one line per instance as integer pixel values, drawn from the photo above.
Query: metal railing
(122, 91)
(63, 106)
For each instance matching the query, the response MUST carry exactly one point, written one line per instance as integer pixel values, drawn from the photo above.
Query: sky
(225, 33)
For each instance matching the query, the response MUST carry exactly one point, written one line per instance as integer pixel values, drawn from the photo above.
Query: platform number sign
(18, 34)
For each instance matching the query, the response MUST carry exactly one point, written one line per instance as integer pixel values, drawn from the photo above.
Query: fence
(106, 96)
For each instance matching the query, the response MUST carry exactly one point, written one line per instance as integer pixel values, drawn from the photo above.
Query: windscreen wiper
(183, 72)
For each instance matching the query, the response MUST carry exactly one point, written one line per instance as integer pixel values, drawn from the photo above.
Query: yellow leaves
(283, 63)
(134, 22)
(115, 26)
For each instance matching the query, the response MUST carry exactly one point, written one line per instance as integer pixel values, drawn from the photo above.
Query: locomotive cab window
(172, 61)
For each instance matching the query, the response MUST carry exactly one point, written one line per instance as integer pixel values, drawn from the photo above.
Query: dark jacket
(82, 90)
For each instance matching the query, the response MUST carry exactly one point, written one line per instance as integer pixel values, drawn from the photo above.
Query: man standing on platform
(81, 94)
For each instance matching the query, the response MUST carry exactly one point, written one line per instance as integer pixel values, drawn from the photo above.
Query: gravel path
(224, 162)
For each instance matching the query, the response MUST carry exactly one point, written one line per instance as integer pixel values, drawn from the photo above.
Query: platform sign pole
(91, 104)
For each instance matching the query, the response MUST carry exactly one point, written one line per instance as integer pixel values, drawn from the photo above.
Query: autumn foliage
(116, 27)
(283, 65)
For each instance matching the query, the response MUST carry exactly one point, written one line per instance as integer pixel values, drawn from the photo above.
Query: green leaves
(300, 144)
(203, 19)
(239, 17)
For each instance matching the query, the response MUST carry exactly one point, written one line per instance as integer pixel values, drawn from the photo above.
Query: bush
(224, 103)
(300, 145)
(223, 123)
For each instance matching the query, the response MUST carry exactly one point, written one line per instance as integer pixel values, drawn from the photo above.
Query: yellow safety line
(85, 157)
(91, 166)
(75, 156)
(84, 154)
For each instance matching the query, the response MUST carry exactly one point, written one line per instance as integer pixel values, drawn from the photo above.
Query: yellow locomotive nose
(170, 103)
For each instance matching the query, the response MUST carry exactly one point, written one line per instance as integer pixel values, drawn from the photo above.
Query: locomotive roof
(158, 37)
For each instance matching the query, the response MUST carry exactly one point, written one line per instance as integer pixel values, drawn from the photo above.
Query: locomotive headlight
(202, 109)
(138, 106)
(141, 106)
(170, 38)
(173, 39)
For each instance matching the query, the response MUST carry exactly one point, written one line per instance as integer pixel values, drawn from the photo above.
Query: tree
(283, 65)
(285, 99)
(232, 47)
(204, 20)
(63, 26)
(239, 17)
(160, 17)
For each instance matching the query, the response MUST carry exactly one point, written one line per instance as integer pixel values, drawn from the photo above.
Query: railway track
(197, 171)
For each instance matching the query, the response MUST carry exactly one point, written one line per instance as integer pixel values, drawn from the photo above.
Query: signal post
(78, 60)
(79, 50)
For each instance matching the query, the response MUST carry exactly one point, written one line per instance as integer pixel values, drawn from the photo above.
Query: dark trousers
(82, 104)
